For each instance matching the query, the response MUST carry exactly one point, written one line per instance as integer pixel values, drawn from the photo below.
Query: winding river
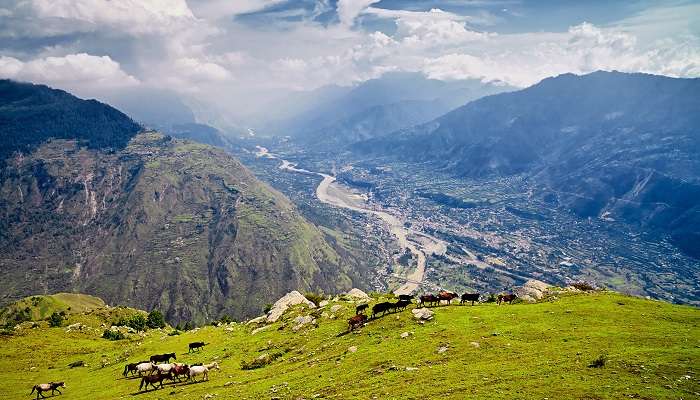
(331, 192)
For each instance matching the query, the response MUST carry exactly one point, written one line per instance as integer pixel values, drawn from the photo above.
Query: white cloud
(348, 10)
(215, 9)
(72, 72)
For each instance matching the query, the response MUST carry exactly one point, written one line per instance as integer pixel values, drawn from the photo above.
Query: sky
(238, 56)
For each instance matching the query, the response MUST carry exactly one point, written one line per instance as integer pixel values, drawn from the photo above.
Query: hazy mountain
(143, 219)
(333, 115)
(154, 108)
(623, 146)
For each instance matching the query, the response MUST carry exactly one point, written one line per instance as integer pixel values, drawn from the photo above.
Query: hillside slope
(523, 351)
(155, 222)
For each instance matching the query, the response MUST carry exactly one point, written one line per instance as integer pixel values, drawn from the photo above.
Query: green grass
(41, 307)
(525, 351)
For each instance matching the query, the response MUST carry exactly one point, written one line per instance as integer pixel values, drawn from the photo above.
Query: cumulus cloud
(348, 10)
(71, 71)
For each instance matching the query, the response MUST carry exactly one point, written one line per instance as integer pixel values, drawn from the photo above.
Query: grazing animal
(180, 370)
(198, 370)
(164, 368)
(469, 297)
(131, 368)
(45, 387)
(428, 299)
(406, 297)
(162, 358)
(401, 304)
(508, 298)
(153, 379)
(361, 308)
(145, 367)
(448, 296)
(381, 308)
(213, 365)
(196, 346)
(357, 321)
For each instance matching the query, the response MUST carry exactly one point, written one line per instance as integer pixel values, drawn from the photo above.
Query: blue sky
(238, 55)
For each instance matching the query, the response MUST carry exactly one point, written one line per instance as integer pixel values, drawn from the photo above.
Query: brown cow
(444, 295)
(508, 298)
(428, 299)
(357, 321)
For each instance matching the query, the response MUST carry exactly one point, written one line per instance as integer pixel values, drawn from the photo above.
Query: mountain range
(607, 144)
(90, 202)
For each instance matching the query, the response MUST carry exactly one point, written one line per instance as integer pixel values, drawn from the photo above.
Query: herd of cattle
(426, 300)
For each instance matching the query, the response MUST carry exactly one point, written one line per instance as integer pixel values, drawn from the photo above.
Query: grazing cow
(180, 370)
(361, 308)
(428, 299)
(153, 379)
(194, 346)
(406, 297)
(145, 367)
(469, 297)
(381, 308)
(45, 387)
(162, 358)
(448, 296)
(401, 304)
(357, 321)
(508, 298)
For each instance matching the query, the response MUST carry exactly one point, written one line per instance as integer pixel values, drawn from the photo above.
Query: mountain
(156, 108)
(606, 144)
(201, 133)
(335, 115)
(593, 345)
(154, 222)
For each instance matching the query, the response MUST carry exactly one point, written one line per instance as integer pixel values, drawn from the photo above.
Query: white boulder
(290, 299)
(358, 294)
(422, 314)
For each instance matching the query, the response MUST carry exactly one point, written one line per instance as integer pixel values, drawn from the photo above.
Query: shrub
(176, 332)
(492, 298)
(315, 298)
(136, 322)
(55, 320)
(155, 320)
(188, 326)
(584, 286)
(113, 335)
(259, 362)
(599, 362)
(267, 308)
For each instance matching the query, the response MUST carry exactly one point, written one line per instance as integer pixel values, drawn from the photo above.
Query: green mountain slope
(523, 351)
(163, 223)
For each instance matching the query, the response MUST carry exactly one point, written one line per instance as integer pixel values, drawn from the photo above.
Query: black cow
(469, 297)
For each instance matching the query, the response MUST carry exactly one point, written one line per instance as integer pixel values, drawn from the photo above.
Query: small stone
(323, 303)
(352, 349)
(336, 308)
(442, 349)
(475, 344)
(404, 335)
(411, 369)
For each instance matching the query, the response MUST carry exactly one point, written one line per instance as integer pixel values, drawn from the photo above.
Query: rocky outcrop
(357, 294)
(290, 299)
(422, 314)
(532, 290)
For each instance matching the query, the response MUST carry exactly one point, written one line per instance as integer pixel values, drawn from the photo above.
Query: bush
(315, 298)
(188, 326)
(155, 320)
(267, 308)
(56, 320)
(599, 362)
(176, 332)
(259, 362)
(113, 335)
(136, 322)
(584, 286)
(492, 298)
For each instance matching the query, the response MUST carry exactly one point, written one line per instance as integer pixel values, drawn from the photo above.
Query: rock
(262, 328)
(229, 383)
(302, 320)
(404, 335)
(442, 349)
(358, 294)
(258, 320)
(411, 369)
(532, 290)
(336, 308)
(290, 299)
(475, 344)
(323, 303)
(352, 349)
(422, 314)
(75, 327)
(229, 329)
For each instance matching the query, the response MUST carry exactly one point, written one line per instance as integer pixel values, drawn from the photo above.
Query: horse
(406, 297)
(201, 370)
(428, 299)
(131, 368)
(180, 370)
(45, 387)
(153, 379)
(196, 346)
(469, 297)
(164, 368)
(448, 296)
(508, 298)
(357, 321)
(158, 358)
(381, 308)
(401, 304)
(145, 367)
(361, 308)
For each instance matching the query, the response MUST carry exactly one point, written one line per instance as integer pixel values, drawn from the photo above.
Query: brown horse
(448, 296)
(181, 370)
(508, 298)
(45, 387)
(357, 321)
(154, 379)
(469, 297)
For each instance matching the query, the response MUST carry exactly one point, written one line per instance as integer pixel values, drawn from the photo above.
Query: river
(331, 192)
